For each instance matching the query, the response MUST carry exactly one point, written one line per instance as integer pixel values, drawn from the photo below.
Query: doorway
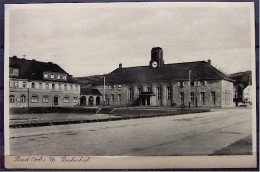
(56, 100)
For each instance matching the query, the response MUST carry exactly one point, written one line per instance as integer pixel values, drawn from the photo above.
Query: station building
(195, 84)
(39, 84)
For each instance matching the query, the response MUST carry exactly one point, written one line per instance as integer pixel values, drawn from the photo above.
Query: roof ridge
(202, 61)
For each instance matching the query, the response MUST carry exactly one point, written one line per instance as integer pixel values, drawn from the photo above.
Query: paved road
(190, 134)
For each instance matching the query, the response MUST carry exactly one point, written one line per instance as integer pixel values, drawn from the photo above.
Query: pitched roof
(201, 70)
(89, 91)
(33, 69)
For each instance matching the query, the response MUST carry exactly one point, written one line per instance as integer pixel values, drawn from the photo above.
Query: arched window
(45, 99)
(75, 99)
(66, 99)
(22, 98)
(11, 99)
(34, 99)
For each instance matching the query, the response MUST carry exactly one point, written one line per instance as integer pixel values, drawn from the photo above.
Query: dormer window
(64, 77)
(52, 76)
(58, 76)
(45, 75)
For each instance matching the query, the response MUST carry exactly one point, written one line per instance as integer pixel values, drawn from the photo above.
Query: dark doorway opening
(83, 101)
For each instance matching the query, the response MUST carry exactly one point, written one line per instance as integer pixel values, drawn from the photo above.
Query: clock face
(154, 64)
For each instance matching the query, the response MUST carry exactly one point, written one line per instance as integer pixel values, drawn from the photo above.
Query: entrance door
(148, 101)
(56, 100)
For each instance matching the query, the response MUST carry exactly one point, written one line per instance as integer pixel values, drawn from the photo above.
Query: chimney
(120, 65)
(209, 61)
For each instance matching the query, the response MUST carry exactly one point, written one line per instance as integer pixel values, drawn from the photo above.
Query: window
(71, 87)
(11, 99)
(119, 87)
(159, 93)
(10, 84)
(24, 84)
(52, 76)
(45, 75)
(202, 98)
(59, 86)
(198, 83)
(119, 98)
(47, 86)
(45, 99)
(64, 77)
(33, 85)
(130, 94)
(139, 90)
(53, 86)
(148, 89)
(169, 93)
(75, 99)
(182, 97)
(15, 84)
(66, 99)
(192, 98)
(11, 71)
(180, 84)
(65, 87)
(204, 83)
(40, 85)
(109, 87)
(192, 84)
(77, 88)
(114, 86)
(213, 97)
(34, 98)
(112, 98)
(58, 76)
(22, 98)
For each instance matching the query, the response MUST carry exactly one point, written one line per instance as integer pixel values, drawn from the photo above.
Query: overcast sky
(90, 39)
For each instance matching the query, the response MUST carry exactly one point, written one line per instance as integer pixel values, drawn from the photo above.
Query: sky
(92, 39)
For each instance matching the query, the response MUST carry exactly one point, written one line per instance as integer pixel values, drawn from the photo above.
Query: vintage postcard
(130, 85)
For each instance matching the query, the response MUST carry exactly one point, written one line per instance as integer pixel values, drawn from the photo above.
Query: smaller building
(40, 84)
(90, 97)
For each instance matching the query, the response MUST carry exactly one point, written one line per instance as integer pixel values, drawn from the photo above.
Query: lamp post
(189, 87)
(104, 92)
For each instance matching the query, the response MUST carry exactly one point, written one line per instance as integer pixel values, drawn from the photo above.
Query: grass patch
(33, 110)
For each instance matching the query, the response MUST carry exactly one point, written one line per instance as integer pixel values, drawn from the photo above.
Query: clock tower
(156, 57)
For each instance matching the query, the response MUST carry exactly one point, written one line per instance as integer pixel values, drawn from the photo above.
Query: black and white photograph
(87, 84)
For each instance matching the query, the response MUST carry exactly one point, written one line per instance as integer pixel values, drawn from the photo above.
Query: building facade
(247, 94)
(195, 84)
(39, 84)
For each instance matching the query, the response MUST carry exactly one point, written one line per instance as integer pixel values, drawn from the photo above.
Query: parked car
(242, 104)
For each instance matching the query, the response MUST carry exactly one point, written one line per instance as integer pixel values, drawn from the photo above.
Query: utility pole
(189, 87)
(104, 92)
(196, 93)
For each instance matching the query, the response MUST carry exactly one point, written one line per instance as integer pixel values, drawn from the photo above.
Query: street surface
(190, 134)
